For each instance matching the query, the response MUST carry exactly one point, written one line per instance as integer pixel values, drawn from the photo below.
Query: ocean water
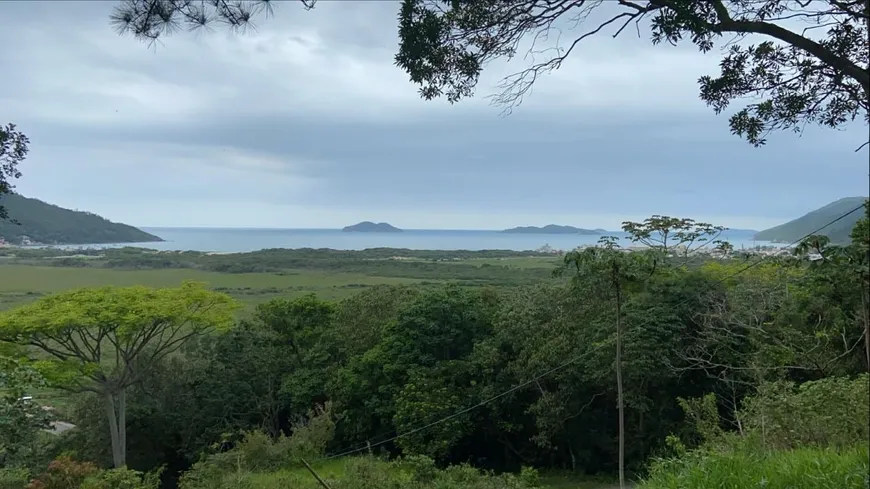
(235, 240)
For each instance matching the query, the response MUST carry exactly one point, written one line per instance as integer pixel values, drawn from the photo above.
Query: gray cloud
(306, 123)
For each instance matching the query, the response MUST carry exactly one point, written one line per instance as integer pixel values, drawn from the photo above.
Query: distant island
(371, 227)
(34, 222)
(838, 232)
(555, 229)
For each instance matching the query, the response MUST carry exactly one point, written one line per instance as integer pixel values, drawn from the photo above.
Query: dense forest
(42, 223)
(757, 366)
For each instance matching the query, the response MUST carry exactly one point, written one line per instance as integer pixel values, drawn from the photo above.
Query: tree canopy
(103, 340)
(13, 150)
(796, 77)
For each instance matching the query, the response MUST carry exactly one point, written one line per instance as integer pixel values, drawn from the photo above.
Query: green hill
(800, 227)
(43, 223)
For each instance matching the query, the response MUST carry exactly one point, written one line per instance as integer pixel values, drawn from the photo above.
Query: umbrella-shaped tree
(99, 339)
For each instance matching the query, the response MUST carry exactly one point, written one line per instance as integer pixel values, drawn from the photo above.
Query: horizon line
(242, 228)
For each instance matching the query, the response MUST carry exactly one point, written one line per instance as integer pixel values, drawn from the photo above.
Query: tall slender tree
(616, 274)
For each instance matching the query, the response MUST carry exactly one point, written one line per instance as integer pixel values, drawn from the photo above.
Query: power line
(803, 238)
(561, 366)
(468, 409)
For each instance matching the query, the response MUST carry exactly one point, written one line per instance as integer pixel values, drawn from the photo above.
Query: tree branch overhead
(445, 46)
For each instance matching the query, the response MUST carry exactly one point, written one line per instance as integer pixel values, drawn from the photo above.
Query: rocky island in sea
(371, 227)
(554, 229)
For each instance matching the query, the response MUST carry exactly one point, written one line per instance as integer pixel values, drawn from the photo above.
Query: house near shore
(549, 250)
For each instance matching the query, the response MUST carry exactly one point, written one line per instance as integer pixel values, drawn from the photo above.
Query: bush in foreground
(811, 436)
(67, 473)
(806, 468)
(362, 473)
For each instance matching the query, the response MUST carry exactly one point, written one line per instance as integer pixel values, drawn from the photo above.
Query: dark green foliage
(841, 277)
(361, 473)
(424, 352)
(361, 319)
(14, 478)
(13, 150)
(861, 232)
(827, 413)
(394, 358)
(795, 437)
(302, 329)
(48, 224)
(838, 232)
(21, 421)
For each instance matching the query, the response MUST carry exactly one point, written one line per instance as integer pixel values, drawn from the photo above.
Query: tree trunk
(113, 430)
(620, 401)
(867, 339)
(117, 428)
(865, 306)
(122, 425)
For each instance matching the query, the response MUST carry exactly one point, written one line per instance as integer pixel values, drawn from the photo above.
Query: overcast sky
(307, 123)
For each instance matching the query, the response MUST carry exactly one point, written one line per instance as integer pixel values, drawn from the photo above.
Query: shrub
(807, 468)
(831, 412)
(64, 473)
(365, 473)
(122, 479)
(258, 452)
(14, 478)
(311, 435)
(812, 436)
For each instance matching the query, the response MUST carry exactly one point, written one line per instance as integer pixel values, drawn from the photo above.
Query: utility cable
(562, 365)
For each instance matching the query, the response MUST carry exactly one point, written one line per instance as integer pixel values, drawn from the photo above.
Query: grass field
(23, 283)
(522, 262)
(253, 278)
